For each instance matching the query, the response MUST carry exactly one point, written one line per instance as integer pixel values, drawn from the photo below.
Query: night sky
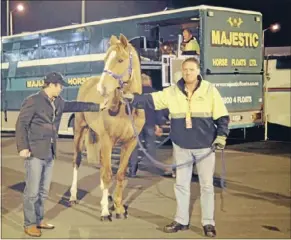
(51, 14)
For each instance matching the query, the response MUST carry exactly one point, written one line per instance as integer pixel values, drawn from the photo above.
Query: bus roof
(278, 51)
(200, 7)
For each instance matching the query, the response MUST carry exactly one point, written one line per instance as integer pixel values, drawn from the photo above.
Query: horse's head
(118, 68)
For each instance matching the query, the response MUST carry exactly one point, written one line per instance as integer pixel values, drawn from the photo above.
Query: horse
(100, 131)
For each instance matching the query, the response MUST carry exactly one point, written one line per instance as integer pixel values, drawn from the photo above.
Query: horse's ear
(123, 40)
(113, 40)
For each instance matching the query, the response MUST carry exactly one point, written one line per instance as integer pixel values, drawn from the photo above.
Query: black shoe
(175, 227)
(131, 175)
(209, 230)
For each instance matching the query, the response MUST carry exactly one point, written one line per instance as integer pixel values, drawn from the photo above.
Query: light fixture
(275, 27)
(20, 7)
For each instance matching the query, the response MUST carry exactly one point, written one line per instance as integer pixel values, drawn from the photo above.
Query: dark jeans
(37, 183)
(148, 135)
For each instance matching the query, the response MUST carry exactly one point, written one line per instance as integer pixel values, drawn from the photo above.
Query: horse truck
(231, 57)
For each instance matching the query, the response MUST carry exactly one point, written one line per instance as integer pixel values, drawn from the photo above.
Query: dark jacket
(152, 116)
(38, 123)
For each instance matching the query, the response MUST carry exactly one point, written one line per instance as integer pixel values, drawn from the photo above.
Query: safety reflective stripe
(193, 114)
(201, 114)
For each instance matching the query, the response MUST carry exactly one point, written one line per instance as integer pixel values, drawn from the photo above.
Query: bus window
(11, 56)
(11, 52)
(28, 54)
(53, 51)
(284, 63)
(98, 43)
(79, 48)
(7, 46)
(65, 43)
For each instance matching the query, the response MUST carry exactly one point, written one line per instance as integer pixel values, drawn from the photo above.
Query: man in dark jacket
(154, 119)
(36, 134)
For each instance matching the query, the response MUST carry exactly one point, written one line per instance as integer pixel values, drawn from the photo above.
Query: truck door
(232, 61)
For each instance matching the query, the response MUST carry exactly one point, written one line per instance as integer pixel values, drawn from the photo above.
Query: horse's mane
(122, 53)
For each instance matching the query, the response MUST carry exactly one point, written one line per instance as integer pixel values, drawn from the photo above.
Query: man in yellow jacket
(190, 45)
(199, 120)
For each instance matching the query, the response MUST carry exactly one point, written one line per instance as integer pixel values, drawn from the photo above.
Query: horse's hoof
(73, 203)
(125, 214)
(121, 216)
(106, 218)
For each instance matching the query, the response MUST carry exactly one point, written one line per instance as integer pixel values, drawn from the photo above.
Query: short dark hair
(192, 59)
(46, 85)
(187, 30)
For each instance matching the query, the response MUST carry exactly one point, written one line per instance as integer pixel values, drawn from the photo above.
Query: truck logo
(235, 22)
(74, 81)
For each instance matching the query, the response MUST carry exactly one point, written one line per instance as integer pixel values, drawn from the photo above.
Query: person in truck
(189, 45)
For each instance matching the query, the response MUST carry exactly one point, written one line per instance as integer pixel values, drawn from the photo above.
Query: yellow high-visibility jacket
(191, 45)
(209, 115)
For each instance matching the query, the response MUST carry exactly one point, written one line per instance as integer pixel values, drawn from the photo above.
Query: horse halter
(120, 76)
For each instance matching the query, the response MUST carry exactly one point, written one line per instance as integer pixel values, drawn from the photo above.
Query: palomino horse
(112, 125)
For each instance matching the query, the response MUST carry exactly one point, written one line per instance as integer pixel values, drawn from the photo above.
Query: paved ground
(256, 203)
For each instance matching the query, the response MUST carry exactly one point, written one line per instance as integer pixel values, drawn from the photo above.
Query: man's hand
(182, 46)
(25, 153)
(219, 142)
(128, 96)
(158, 131)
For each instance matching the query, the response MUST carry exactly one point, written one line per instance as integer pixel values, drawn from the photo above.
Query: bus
(278, 92)
(231, 57)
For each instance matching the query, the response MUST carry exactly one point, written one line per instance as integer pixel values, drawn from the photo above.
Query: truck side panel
(232, 61)
(239, 92)
(232, 42)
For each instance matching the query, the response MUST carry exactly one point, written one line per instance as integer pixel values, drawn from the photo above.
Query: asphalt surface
(255, 203)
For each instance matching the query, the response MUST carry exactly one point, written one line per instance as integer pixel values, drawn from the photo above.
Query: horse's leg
(92, 144)
(105, 176)
(125, 153)
(79, 133)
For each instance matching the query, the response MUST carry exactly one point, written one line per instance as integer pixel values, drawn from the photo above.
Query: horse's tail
(92, 146)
